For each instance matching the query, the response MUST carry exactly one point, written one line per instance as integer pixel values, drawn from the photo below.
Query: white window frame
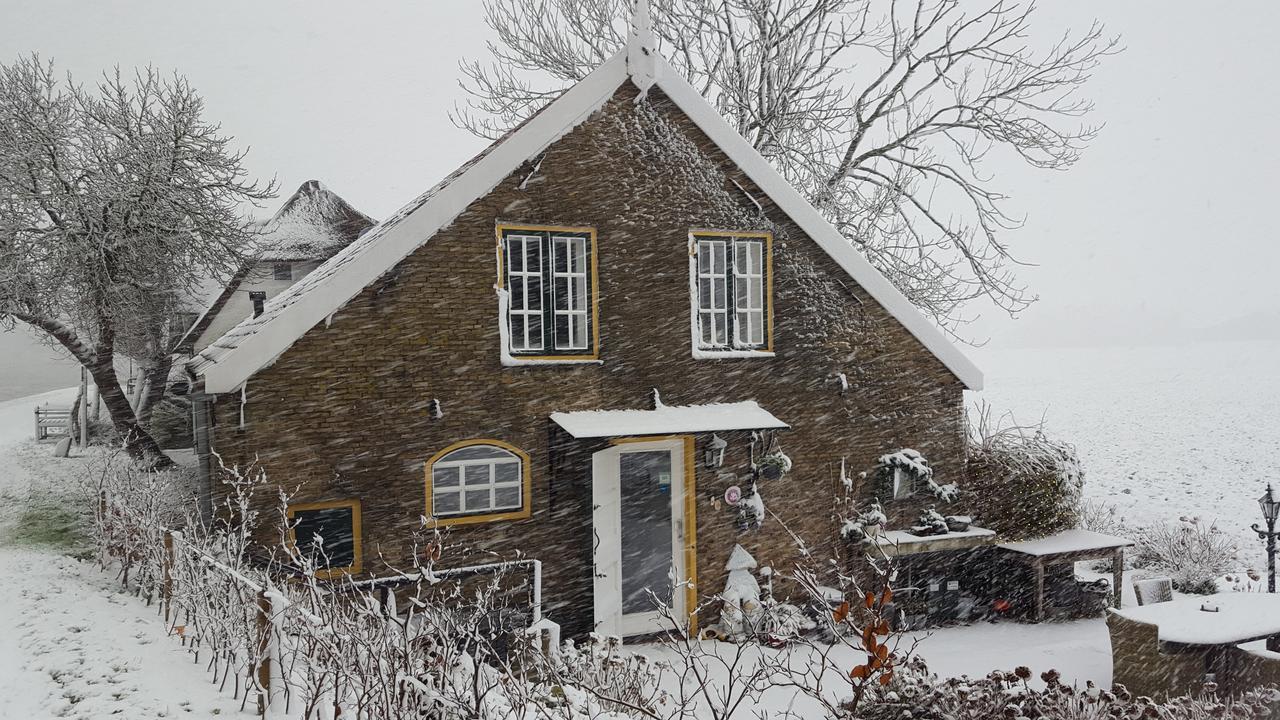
(493, 485)
(522, 342)
(742, 326)
(577, 291)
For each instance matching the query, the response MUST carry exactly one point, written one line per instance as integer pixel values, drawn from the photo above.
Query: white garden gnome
(741, 595)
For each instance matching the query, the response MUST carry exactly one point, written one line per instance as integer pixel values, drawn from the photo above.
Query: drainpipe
(200, 407)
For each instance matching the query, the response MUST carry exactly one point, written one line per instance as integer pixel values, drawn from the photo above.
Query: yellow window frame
(356, 530)
(526, 495)
(501, 229)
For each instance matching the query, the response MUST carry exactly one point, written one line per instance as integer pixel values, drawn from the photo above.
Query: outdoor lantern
(713, 457)
(1270, 506)
(1270, 510)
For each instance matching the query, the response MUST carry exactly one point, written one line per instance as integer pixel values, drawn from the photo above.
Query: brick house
(575, 347)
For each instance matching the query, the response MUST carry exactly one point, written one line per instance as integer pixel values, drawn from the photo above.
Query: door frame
(607, 587)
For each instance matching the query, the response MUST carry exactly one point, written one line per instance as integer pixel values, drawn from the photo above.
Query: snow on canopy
(314, 224)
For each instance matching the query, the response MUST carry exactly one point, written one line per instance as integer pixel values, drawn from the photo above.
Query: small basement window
(732, 292)
(282, 271)
(549, 276)
(478, 481)
(329, 532)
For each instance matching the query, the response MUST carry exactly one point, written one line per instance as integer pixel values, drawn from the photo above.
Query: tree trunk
(157, 383)
(137, 441)
(100, 362)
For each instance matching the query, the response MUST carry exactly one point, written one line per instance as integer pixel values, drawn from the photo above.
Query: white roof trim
(668, 420)
(296, 310)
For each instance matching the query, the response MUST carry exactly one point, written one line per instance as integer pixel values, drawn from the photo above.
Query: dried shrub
(915, 693)
(1029, 484)
(1190, 552)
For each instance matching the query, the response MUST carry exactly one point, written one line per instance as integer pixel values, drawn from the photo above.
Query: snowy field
(1162, 431)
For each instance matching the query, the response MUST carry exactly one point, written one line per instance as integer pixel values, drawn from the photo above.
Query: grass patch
(50, 525)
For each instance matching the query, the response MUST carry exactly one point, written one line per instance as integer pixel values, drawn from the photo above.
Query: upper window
(328, 533)
(282, 270)
(478, 481)
(548, 274)
(732, 292)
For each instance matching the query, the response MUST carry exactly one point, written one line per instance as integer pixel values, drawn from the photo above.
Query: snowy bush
(914, 693)
(916, 469)
(1030, 484)
(1190, 552)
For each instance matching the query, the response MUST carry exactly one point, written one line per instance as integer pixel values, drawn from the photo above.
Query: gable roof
(257, 342)
(314, 223)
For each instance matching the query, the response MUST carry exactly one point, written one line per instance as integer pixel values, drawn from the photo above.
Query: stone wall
(346, 412)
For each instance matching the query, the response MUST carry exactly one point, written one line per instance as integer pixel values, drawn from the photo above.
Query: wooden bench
(52, 421)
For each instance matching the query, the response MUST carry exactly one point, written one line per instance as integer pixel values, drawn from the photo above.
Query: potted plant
(774, 465)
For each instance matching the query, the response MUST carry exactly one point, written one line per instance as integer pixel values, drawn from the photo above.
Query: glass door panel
(646, 537)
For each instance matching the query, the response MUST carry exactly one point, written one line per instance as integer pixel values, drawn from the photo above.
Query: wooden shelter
(1070, 546)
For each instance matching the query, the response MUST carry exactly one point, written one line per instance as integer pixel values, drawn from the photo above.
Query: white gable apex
(257, 342)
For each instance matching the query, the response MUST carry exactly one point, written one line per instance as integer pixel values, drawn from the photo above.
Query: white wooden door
(638, 497)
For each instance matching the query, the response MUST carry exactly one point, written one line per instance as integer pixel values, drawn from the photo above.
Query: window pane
(579, 328)
(515, 255)
(563, 340)
(580, 293)
(704, 258)
(757, 257)
(740, 295)
(443, 477)
(704, 293)
(534, 292)
(475, 474)
(717, 259)
(535, 332)
(533, 254)
(517, 293)
(477, 500)
(718, 292)
(443, 503)
(507, 472)
(478, 452)
(507, 498)
(562, 256)
(326, 535)
(754, 296)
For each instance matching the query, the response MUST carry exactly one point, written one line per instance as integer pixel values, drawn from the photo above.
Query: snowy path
(76, 647)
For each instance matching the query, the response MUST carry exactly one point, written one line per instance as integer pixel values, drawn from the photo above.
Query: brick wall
(346, 412)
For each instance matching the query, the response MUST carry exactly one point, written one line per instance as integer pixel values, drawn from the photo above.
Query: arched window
(478, 481)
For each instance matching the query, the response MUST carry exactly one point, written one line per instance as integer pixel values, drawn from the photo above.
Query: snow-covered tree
(881, 113)
(116, 200)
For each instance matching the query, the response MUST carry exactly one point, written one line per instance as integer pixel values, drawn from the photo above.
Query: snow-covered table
(1070, 546)
(1240, 617)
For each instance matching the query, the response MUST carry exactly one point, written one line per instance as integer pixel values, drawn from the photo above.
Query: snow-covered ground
(75, 646)
(1163, 431)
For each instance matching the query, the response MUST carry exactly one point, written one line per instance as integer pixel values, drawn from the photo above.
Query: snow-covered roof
(903, 542)
(1067, 541)
(1240, 617)
(313, 224)
(246, 349)
(668, 420)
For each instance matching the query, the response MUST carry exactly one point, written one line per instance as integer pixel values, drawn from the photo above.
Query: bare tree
(880, 112)
(116, 201)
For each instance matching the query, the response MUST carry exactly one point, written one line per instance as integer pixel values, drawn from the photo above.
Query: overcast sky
(1161, 230)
